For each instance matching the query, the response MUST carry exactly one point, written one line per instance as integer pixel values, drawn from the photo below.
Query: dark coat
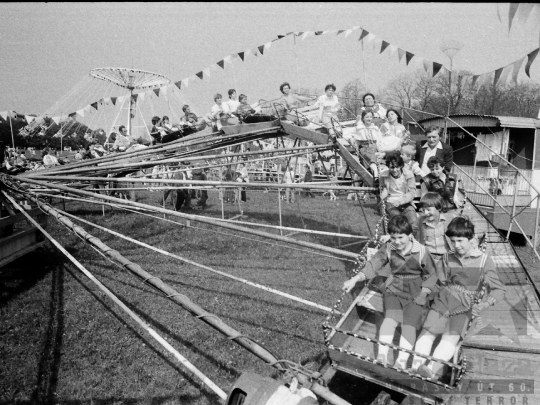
(446, 154)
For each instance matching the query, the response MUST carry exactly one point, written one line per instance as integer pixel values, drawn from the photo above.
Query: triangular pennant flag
(384, 45)
(141, 96)
(347, 33)
(261, 49)
(516, 66)
(207, 72)
(474, 80)
(221, 64)
(156, 91)
(94, 105)
(29, 118)
(280, 36)
(401, 53)
(356, 27)
(504, 75)
(376, 44)
(511, 14)
(56, 120)
(164, 90)
(363, 34)
(307, 34)
(106, 100)
(392, 49)
(241, 54)
(408, 56)
(254, 51)
(178, 84)
(427, 65)
(199, 75)
(100, 102)
(185, 81)
(339, 32)
(3, 114)
(299, 33)
(486, 78)
(499, 13)
(498, 73)
(81, 112)
(523, 12)
(73, 115)
(318, 32)
(530, 60)
(267, 45)
(370, 37)
(228, 59)
(436, 68)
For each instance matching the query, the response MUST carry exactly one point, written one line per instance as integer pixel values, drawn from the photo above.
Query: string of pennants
(499, 75)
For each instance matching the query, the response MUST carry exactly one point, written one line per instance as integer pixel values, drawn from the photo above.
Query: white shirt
(327, 105)
(429, 153)
(223, 107)
(288, 177)
(233, 105)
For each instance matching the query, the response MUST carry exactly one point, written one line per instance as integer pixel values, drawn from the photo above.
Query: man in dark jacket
(308, 178)
(434, 147)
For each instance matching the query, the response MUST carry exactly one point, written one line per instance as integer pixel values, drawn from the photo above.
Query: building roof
(480, 120)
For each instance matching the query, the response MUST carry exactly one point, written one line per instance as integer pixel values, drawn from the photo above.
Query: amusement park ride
(507, 333)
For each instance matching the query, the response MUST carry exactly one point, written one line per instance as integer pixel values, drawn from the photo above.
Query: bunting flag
(401, 53)
(261, 49)
(340, 31)
(392, 49)
(347, 33)
(516, 67)
(81, 112)
(474, 80)
(254, 51)
(199, 75)
(370, 37)
(56, 120)
(185, 81)
(427, 66)
(512, 14)
(206, 72)
(178, 84)
(498, 73)
(94, 105)
(436, 68)
(530, 60)
(164, 91)
(4, 114)
(106, 100)
(306, 34)
(29, 118)
(73, 116)
(384, 46)
(228, 59)
(503, 78)
(269, 44)
(241, 54)
(113, 100)
(523, 12)
(363, 34)
(408, 57)
(221, 64)
(319, 32)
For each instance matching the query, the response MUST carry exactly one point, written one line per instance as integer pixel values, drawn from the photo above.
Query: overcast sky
(47, 49)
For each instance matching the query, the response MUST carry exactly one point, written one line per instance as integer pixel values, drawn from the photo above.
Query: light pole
(450, 48)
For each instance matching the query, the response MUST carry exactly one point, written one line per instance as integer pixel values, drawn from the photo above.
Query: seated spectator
(122, 141)
(220, 112)
(434, 147)
(437, 181)
(288, 103)
(244, 109)
(328, 108)
(157, 130)
(79, 154)
(48, 159)
(233, 102)
(394, 127)
(378, 111)
(365, 141)
(408, 153)
(398, 190)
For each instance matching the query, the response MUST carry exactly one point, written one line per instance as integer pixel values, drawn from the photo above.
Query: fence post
(513, 205)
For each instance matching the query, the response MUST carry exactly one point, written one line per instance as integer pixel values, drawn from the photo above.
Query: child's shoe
(425, 372)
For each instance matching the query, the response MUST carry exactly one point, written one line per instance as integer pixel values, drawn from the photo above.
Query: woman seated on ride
(328, 108)
(288, 102)
(394, 127)
(464, 272)
(364, 139)
(122, 141)
(411, 276)
(379, 112)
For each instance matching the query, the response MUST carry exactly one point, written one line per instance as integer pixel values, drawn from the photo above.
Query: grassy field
(63, 341)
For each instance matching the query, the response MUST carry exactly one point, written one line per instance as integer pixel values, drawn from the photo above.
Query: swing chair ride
(500, 350)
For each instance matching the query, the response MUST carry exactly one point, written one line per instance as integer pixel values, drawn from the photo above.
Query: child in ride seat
(432, 225)
(408, 152)
(443, 184)
(465, 270)
(411, 278)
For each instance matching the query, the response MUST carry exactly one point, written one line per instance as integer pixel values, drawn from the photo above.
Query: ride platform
(500, 354)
